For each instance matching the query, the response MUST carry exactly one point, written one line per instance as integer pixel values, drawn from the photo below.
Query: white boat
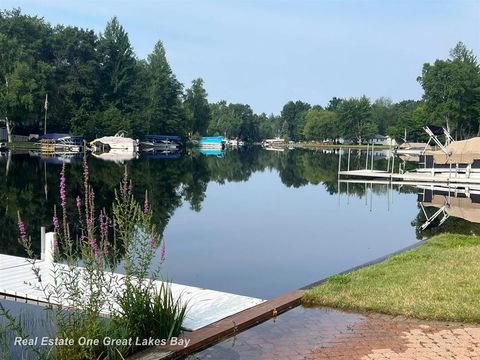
(270, 148)
(235, 143)
(273, 143)
(116, 142)
(116, 155)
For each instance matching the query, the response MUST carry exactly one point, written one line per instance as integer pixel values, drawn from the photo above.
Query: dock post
(371, 196)
(348, 161)
(339, 161)
(49, 247)
(42, 243)
(372, 156)
(393, 163)
(388, 160)
(348, 193)
(366, 160)
(366, 193)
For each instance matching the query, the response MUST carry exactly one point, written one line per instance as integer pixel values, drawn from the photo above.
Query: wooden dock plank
(211, 334)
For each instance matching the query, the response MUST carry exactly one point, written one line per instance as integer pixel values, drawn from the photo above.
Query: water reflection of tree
(171, 182)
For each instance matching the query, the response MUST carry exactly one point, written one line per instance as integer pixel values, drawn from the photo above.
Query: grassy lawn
(438, 280)
(22, 145)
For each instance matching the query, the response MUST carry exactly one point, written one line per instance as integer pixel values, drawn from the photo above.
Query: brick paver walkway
(316, 333)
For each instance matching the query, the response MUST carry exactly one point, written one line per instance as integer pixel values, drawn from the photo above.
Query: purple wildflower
(21, 228)
(146, 206)
(162, 252)
(63, 195)
(56, 223)
(103, 225)
(78, 202)
(151, 242)
(85, 171)
(124, 188)
(94, 246)
(125, 185)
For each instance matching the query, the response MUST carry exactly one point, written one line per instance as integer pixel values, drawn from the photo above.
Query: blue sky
(266, 53)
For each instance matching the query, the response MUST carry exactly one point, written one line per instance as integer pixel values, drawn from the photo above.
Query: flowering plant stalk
(88, 297)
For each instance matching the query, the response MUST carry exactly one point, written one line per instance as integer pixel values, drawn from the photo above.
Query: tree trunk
(448, 124)
(9, 161)
(9, 129)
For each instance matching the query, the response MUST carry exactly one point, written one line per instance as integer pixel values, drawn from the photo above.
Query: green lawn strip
(22, 145)
(438, 280)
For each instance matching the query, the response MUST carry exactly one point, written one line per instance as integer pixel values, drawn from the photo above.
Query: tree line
(96, 85)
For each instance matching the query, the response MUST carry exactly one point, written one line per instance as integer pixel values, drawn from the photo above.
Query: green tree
(293, 114)
(355, 117)
(452, 91)
(334, 103)
(165, 111)
(117, 65)
(25, 69)
(409, 118)
(76, 77)
(268, 126)
(320, 125)
(382, 114)
(197, 107)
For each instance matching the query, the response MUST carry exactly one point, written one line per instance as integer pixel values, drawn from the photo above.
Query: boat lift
(434, 132)
(430, 219)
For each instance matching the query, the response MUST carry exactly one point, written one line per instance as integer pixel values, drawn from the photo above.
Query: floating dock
(205, 306)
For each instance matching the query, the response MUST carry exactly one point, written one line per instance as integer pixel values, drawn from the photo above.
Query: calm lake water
(252, 222)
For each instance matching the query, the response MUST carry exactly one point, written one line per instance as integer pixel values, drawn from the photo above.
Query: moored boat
(459, 158)
(61, 143)
(161, 142)
(235, 142)
(116, 142)
(212, 142)
(276, 142)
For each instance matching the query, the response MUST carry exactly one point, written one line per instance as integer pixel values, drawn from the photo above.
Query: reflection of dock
(204, 306)
(458, 203)
(454, 178)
